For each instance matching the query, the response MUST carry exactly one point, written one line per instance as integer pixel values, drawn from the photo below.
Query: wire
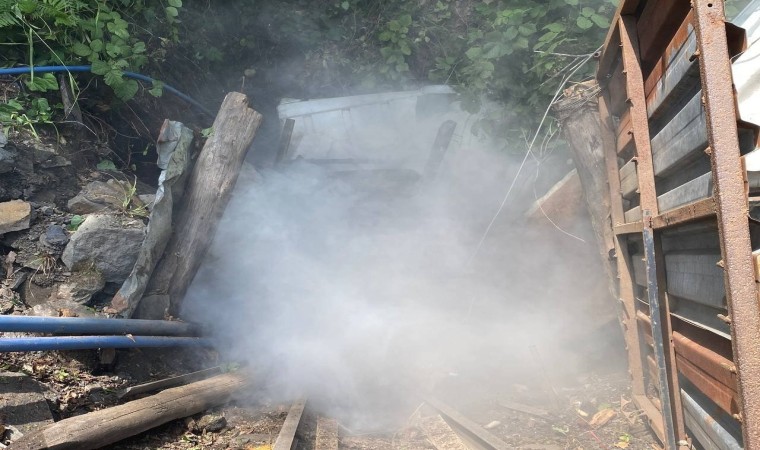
(528, 153)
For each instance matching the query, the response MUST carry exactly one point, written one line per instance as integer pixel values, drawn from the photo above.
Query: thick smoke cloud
(355, 287)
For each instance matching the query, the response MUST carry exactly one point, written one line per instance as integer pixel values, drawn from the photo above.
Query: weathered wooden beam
(101, 428)
(327, 434)
(286, 440)
(206, 196)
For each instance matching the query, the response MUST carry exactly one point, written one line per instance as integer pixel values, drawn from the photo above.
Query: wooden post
(104, 427)
(206, 196)
(578, 115)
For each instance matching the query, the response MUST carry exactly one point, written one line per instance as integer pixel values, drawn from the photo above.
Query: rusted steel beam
(628, 228)
(612, 41)
(670, 399)
(712, 373)
(701, 209)
(624, 132)
(626, 287)
(731, 208)
(655, 28)
(675, 63)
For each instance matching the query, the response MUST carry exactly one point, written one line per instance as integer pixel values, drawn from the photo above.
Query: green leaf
(572, 2)
(100, 67)
(474, 53)
(126, 90)
(138, 47)
(175, 3)
(555, 27)
(345, 5)
(106, 164)
(588, 12)
(113, 77)
(157, 90)
(600, 21)
(96, 45)
(171, 11)
(77, 219)
(583, 23)
(81, 49)
(42, 83)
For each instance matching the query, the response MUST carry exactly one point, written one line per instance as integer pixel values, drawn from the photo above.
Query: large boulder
(14, 216)
(80, 287)
(106, 243)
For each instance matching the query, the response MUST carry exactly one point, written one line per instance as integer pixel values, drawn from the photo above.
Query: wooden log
(104, 427)
(581, 125)
(206, 196)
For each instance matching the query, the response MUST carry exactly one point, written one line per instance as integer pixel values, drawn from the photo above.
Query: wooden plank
(101, 428)
(206, 196)
(464, 425)
(327, 434)
(286, 440)
(701, 209)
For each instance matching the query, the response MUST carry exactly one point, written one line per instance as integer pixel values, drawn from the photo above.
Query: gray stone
(49, 160)
(153, 307)
(7, 160)
(107, 243)
(14, 216)
(55, 237)
(80, 287)
(24, 405)
(3, 139)
(99, 195)
(212, 423)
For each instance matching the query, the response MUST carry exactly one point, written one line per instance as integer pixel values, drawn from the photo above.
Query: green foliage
(111, 36)
(503, 49)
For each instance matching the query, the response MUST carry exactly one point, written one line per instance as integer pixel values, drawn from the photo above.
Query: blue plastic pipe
(36, 344)
(86, 325)
(75, 69)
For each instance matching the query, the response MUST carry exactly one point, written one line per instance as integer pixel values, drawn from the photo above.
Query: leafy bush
(113, 37)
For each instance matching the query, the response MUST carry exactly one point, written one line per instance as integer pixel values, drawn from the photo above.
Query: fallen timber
(104, 427)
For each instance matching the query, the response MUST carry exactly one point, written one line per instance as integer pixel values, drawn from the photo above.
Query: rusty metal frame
(670, 400)
(731, 209)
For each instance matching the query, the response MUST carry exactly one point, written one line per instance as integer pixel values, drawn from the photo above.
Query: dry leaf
(622, 444)
(602, 417)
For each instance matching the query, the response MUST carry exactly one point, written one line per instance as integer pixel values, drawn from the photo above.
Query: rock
(3, 139)
(54, 238)
(108, 243)
(49, 160)
(24, 405)
(99, 195)
(152, 307)
(212, 423)
(80, 287)
(7, 160)
(14, 216)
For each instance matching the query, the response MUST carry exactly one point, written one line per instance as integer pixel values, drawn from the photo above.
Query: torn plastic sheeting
(174, 158)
